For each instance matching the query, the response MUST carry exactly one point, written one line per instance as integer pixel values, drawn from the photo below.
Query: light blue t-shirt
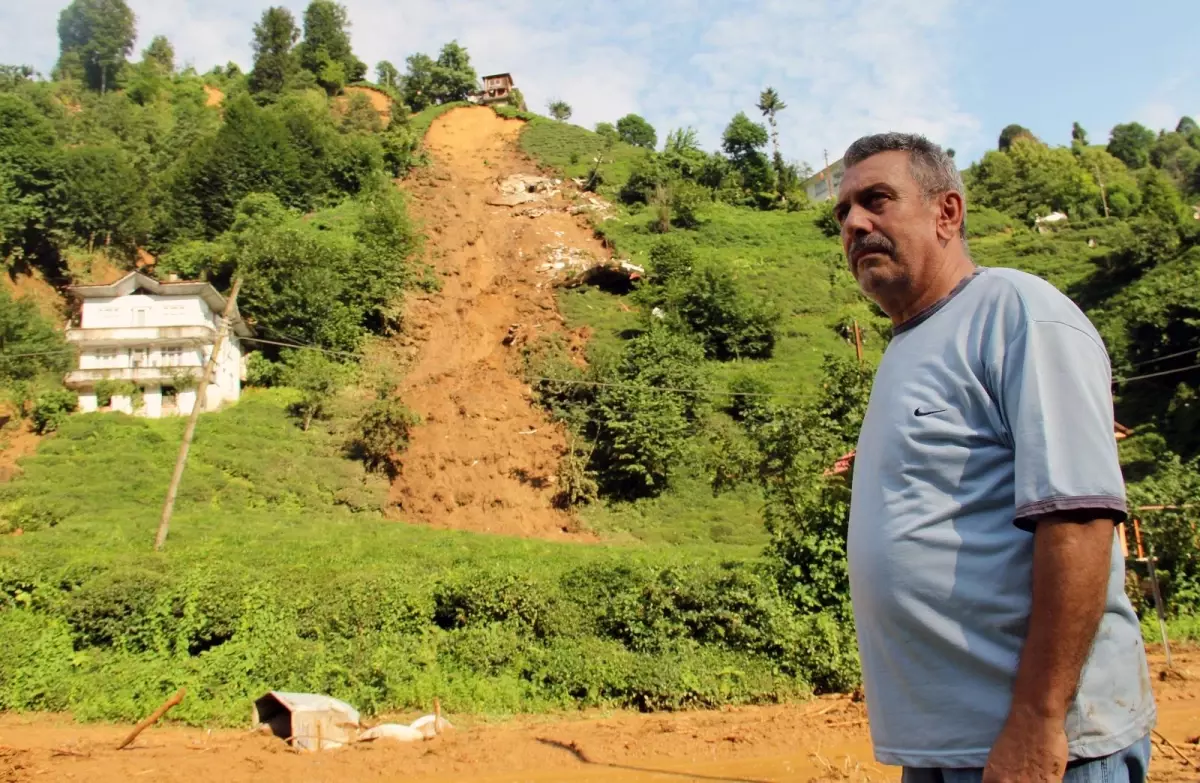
(989, 409)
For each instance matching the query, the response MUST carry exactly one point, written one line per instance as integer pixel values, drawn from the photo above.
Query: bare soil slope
(486, 456)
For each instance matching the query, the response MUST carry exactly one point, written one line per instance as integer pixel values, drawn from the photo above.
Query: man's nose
(857, 222)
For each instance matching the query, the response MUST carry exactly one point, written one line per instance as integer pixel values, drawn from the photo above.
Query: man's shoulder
(1029, 298)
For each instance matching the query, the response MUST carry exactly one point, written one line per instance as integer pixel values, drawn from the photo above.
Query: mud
(824, 740)
(485, 457)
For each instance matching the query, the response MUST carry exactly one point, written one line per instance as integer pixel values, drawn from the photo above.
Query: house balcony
(162, 376)
(143, 335)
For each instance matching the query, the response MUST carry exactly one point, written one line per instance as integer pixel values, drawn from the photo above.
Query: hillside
(521, 443)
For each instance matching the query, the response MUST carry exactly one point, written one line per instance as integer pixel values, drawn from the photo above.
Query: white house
(823, 185)
(157, 336)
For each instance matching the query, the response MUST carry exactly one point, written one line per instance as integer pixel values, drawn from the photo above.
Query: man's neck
(948, 275)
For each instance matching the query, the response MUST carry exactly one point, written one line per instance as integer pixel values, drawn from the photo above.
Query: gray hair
(929, 164)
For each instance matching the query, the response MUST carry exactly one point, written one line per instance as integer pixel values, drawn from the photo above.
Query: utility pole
(827, 175)
(201, 400)
(1103, 193)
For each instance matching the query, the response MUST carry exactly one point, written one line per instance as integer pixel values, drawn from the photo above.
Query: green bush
(730, 323)
(51, 409)
(383, 435)
(826, 220)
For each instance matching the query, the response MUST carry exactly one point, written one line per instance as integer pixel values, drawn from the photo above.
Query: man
(997, 642)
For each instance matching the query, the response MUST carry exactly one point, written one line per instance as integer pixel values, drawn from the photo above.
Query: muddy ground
(824, 740)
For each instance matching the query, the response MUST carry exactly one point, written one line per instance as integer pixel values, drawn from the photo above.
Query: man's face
(889, 231)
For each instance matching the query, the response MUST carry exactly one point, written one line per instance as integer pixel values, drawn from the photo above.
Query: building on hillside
(823, 185)
(155, 337)
(496, 88)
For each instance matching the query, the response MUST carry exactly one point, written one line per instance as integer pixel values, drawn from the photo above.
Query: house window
(138, 357)
(106, 357)
(172, 356)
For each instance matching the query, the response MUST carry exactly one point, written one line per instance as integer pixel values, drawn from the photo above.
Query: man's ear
(951, 214)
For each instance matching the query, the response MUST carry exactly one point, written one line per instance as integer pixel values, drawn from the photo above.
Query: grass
(570, 150)
(280, 572)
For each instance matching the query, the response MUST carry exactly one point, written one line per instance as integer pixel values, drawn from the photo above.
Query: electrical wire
(1157, 374)
(1164, 358)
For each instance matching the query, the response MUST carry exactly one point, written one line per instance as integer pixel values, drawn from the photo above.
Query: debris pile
(518, 189)
(314, 722)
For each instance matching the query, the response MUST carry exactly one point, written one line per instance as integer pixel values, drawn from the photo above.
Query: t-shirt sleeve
(1057, 402)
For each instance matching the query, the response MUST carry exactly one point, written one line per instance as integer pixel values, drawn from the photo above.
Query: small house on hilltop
(155, 337)
(496, 88)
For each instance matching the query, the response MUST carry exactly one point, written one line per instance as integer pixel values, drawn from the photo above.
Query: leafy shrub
(383, 435)
(642, 419)
(825, 219)
(671, 259)
(480, 599)
(648, 174)
(687, 199)
(729, 322)
(51, 409)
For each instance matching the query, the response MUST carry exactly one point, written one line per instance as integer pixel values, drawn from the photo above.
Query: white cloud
(844, 68)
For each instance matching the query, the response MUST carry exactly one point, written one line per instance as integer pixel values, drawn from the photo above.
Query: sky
(955, 70)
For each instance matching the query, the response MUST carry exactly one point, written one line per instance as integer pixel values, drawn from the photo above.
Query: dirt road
(824, 740)
(485, 457)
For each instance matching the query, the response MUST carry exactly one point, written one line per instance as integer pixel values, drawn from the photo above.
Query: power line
(1157, 374)
(300, 346)
(1164, 358)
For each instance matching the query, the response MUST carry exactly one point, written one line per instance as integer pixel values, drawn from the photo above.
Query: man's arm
(1071, 561)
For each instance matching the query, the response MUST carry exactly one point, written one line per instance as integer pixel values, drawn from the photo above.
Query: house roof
(497, 76)
(136, 281)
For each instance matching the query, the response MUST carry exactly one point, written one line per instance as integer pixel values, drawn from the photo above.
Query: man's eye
(876, 200)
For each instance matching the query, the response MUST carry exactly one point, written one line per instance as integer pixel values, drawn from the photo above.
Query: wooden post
(858, 341)
(201, 400)
(1137, 537)
(1158, 605)
(154, 716)
(1124, 543)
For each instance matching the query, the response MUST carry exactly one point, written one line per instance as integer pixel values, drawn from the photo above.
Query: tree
(729, 322)
(101, 34)
(742, 141)
(1160, 197)
(607, 131)
(387, 75)
(454, 79)
(325, 51)
(12, 75)
(318, 379)
(641, 422)
(1010, 134)
(559, 110)
(743, 138)
(418, 82)
(1078, 135)
(160, 55)
(770, 104)
(1173, 153)
(274, 61)
(1130, 143)
(634, 130)
(29, 344)
(1187, 126)
(1031, 180)
(102, 197)
(30, 173)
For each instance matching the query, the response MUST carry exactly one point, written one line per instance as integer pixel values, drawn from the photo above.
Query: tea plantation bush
(281, 574)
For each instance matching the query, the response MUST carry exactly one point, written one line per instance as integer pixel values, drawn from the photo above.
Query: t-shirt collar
(924, 315)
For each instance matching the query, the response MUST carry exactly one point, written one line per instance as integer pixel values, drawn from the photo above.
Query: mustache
(871, 243)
